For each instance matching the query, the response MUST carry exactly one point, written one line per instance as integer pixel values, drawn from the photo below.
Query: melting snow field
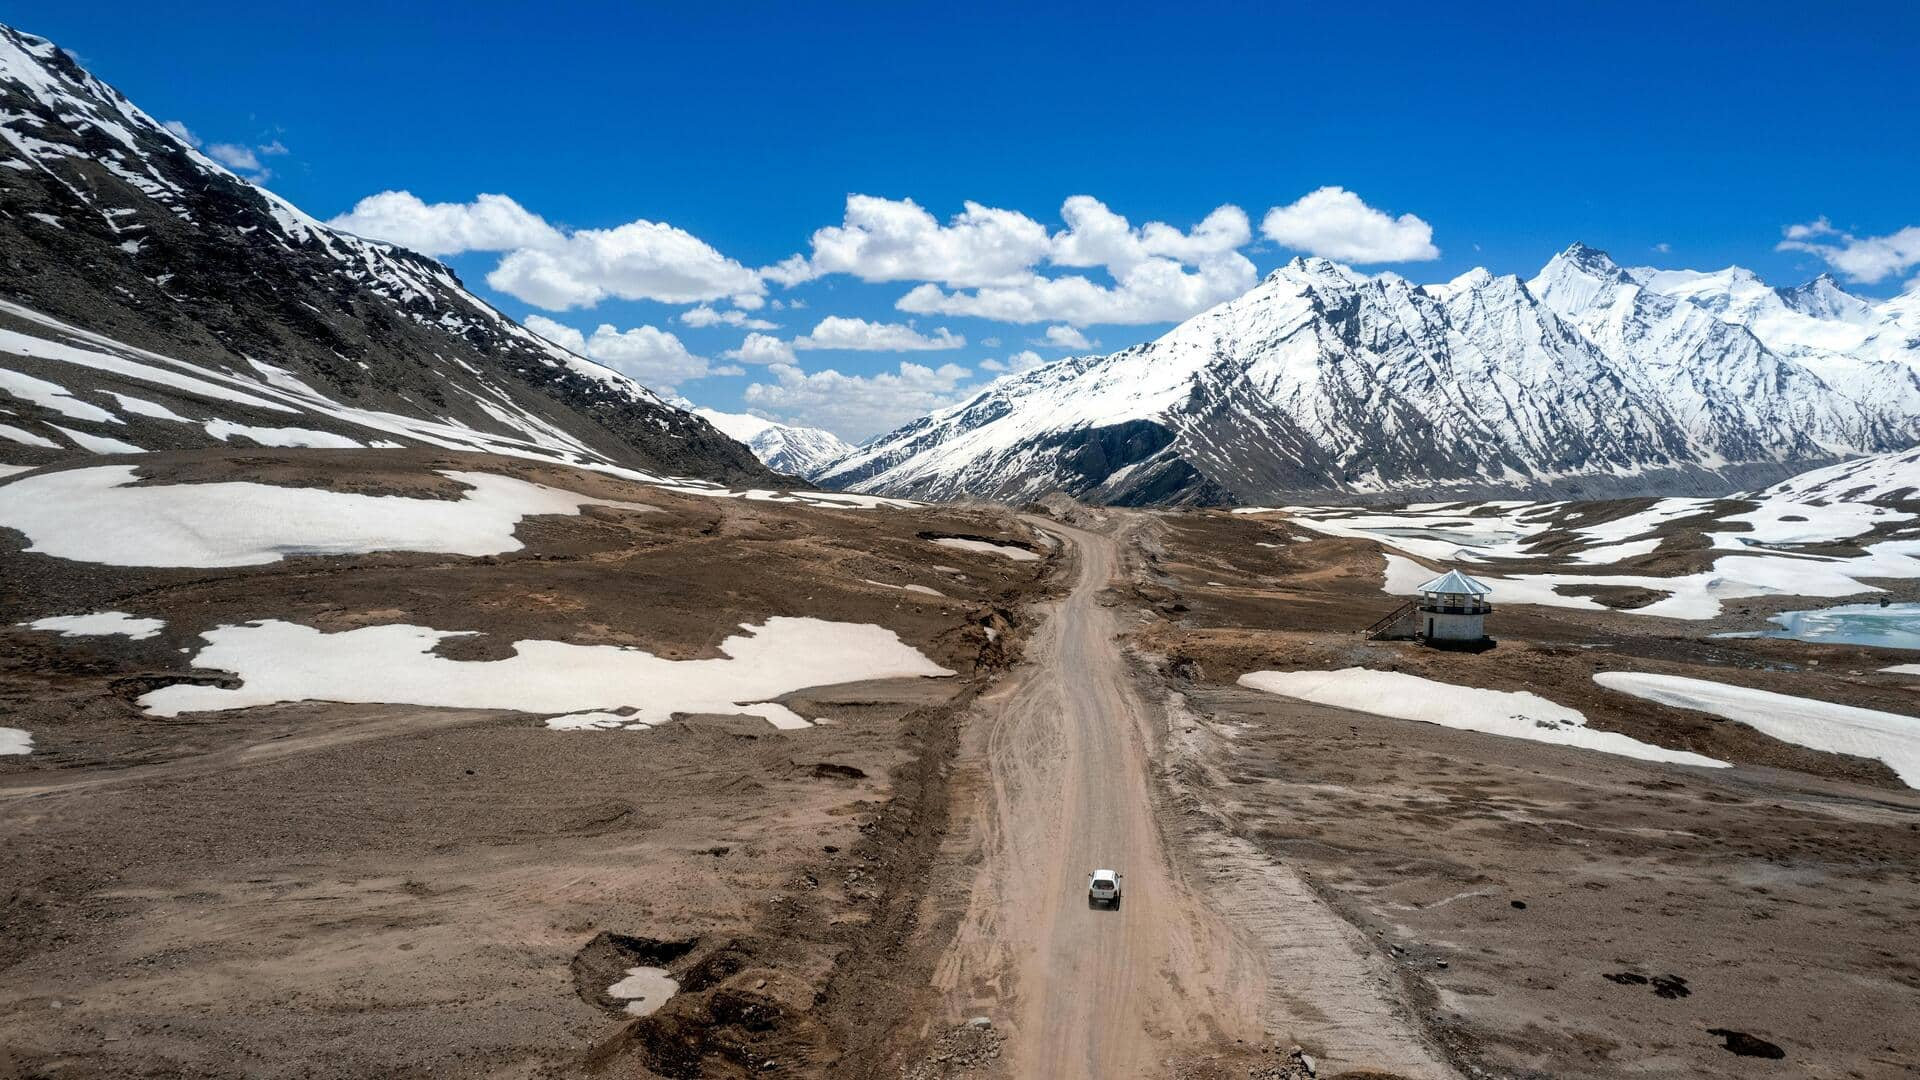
(1696, 596)
(596, 684)
(1444, 537)
(644, 989)
(1777, 521)
(1514, 714)
(1817, 725)
(1017, 554)
(96, 515)
(100, 624)
(15, 740)
(1480, 533)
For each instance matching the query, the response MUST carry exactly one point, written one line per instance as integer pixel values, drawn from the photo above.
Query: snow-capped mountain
(798, 451)
(155, 300)
(1739, 399)
(1586, 380)
(1818, 320)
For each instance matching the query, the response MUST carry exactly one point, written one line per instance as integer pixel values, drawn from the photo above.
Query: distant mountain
(800, 451)
(1739, 399)
(154, 300)
(1589, 380)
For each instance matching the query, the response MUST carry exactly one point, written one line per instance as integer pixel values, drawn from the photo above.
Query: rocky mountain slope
(1586, 380)
(154, 300)
(785, 448)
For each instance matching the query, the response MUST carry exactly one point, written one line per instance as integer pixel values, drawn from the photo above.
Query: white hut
(1452, 607)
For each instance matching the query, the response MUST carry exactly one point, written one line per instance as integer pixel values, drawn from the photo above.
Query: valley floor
(306, 888)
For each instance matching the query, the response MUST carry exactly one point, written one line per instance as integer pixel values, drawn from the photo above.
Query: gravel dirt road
(1087, 992)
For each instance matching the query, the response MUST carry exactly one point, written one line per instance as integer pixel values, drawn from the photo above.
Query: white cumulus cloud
(1334, 223)
(1024, 360)
(234, 156)
(1096, 236)
(1157, 290)
(840, 332)
(653, 356)
(183, 133)
(1861, 258)
(555, 269)
(488, 223)
(992, 260)
(857, 406)
(557, 332)
(898, 240)
(761, 349)
(706, 315)
(641, 260)
(1064, 337)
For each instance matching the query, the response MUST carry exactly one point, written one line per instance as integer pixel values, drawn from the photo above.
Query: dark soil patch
(1745, 1045)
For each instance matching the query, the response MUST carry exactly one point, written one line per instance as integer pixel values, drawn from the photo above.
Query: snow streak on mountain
(1590, 380)
(154, 300)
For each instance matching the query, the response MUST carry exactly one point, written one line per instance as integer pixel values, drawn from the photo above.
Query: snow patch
(53, 397)
(908, 588)
(586, 685)
(100, 624)
(97, 444)
(143, 407)
(95, 515)
(1817, 725)
(1514, 714)
(1017, 554)
(595, 720)
(225, 430)
(644, 989)
(27, 438)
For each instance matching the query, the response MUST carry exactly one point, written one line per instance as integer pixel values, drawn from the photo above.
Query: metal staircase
(1388, 620)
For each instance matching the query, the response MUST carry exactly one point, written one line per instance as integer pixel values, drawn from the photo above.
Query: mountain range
(1588, 380)
(151, 299)
(155, 300)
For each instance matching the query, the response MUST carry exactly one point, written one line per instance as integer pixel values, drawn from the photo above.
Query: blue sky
(740, 131)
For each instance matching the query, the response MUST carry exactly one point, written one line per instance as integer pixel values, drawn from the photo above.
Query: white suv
(1103, 887)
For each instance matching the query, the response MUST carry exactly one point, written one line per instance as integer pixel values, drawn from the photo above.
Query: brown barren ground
(316, 889)
(1555, 912)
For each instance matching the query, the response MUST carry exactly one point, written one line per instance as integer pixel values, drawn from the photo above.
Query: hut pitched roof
(1456, 583)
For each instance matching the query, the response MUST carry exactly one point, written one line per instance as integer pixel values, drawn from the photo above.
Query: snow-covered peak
(1312, 271)
(784, 448)
(1578, 279)
(740, 427)
(1823, 298)
(1819, 321)
(1717, 291)
(1476, 278)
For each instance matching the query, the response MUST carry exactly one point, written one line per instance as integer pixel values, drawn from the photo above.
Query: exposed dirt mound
(603, 961)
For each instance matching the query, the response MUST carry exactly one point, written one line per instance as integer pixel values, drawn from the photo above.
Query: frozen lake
(1895, 626)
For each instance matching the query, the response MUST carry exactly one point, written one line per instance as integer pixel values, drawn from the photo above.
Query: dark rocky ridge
(112, 225)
